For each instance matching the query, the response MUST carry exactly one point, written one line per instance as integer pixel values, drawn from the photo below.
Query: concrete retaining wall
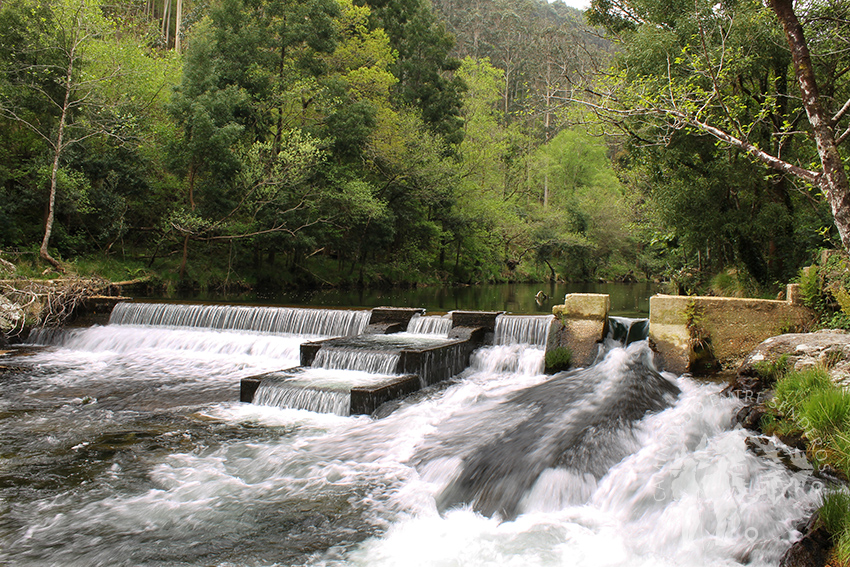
(698, 334)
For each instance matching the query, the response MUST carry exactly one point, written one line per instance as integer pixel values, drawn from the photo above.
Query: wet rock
(830, 349)
(812, 550)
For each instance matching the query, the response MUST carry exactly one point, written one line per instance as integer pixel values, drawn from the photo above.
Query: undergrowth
(558, 359)
(808, 402)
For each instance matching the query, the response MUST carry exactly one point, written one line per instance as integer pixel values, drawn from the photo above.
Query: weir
(279, 320)
(353, 361)
(433, 349)
(395, 364)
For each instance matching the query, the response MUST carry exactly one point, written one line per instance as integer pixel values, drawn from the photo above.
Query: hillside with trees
(278, 143)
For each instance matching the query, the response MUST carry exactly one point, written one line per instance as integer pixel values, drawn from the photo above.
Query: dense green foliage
(281, 143)
(690, 73)
(825, 288)
(291, 143)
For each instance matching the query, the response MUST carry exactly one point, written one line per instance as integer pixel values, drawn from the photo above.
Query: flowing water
(123, 445)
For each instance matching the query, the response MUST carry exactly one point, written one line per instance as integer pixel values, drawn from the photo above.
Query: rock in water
(579, 421)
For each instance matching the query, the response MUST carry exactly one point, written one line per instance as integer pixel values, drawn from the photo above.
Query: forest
(269, 144)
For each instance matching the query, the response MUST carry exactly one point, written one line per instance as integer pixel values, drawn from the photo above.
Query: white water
(430, 324)
(307, 398)
(373, 362)
(523, 329)
(205, 480)
(319, 322)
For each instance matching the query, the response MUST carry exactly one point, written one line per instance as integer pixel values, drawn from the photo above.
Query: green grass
(825, 413)
(809, 401)
(773, 371)
(558, 359)
(834, 516)
(795, 387)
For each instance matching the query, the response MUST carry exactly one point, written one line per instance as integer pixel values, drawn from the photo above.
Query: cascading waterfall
(373, 362)
(430, 324)
(283, 395)
(625, 330)
(523, 329)
(141, 456)
(319, 322)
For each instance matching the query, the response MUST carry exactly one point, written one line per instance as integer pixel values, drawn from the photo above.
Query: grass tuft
(558, 359)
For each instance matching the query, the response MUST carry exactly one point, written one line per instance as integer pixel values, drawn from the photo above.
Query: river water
(627, 299)
(124, 444)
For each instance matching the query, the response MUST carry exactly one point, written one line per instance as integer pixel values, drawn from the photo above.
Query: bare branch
(840, 114)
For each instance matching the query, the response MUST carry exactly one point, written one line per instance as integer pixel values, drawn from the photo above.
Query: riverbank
(27, 303)
(794, 388)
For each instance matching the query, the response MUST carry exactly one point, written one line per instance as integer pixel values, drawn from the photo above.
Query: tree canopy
(270, 143)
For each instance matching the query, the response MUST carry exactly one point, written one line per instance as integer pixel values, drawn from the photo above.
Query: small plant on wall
(699, 339)
(558, 359)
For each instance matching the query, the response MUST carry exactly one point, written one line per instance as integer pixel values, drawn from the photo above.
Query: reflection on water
(627, 300)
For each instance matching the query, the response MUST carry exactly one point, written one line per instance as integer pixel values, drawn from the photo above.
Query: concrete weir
(692, 333)
(355, 374)
(397, 364)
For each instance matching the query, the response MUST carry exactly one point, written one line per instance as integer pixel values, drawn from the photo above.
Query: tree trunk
(57, 153)
(178, 22)
(278, 137)
(185, 257)
(833, 180)
(166, 21)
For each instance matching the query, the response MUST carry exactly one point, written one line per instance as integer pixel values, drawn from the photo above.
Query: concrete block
(692, 333)
(582, 325)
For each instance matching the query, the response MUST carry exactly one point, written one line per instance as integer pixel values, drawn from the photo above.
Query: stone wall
(692, 333)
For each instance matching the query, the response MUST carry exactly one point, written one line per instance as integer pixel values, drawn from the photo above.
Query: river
(124, 444)
(628, 300)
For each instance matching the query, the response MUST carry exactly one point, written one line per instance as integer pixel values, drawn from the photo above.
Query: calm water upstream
(124, 444)
(629, 300)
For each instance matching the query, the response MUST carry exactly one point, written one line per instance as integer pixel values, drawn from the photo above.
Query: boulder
(830, 349)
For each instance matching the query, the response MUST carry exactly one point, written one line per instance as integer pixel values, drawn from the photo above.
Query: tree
(714, 68)
(424, 66)
(58, 62)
